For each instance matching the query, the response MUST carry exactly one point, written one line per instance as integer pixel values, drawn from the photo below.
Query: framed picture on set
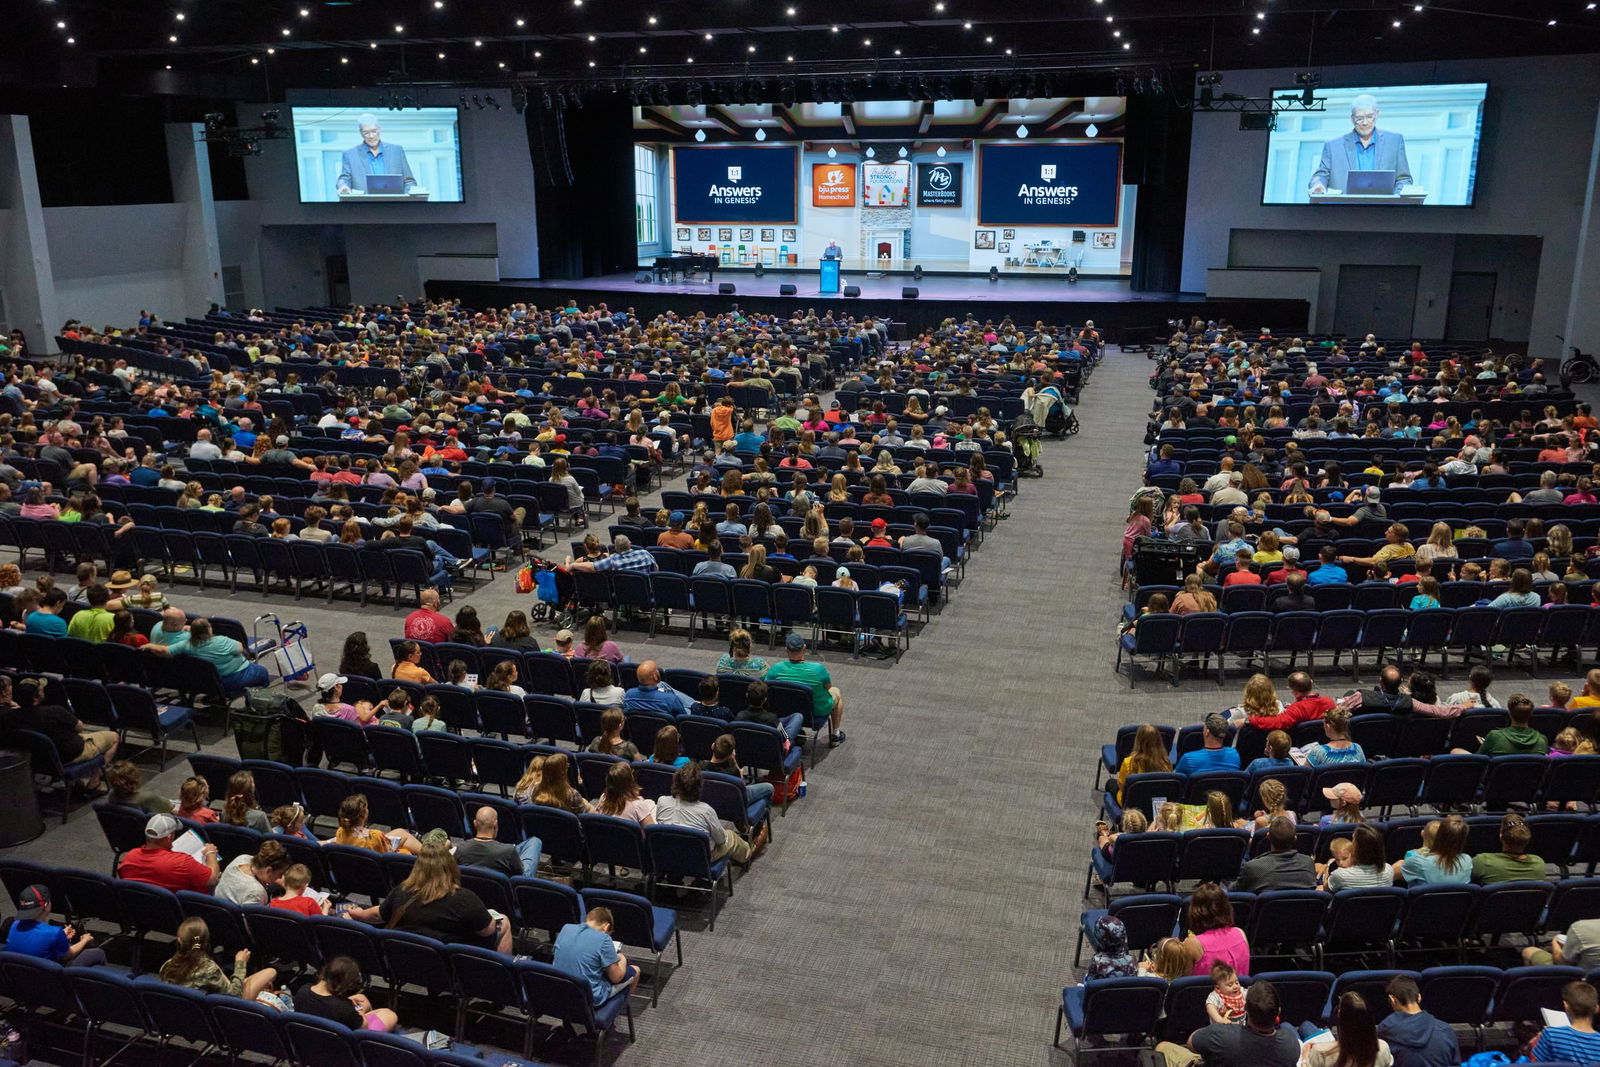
(1005, 246)
(703, 233)
(683, 233)
(747, 233)
(768, 233)
(983, 239)
(725, 233)
(1009, 235)
(790, 234)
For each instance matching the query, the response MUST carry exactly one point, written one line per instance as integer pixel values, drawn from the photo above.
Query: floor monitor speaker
(787, 290)
(852, 290)
(725, 288)
(908, 292)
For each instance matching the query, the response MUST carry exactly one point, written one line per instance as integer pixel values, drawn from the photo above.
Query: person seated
(1519, 738)
(1216, 755)
(623, 799)
(34, 935)
(191, 965)
(246, 878)
(611, 742)
(1415, 1037)
(1281, 867)
(1366, 865)
(1277, 755)
(433, 902)
(158, 864)
(354, 831)
(1243, 572)
(1512, 863)
(586, 950)
(297, 896)
(685, 808)
(485, 849)
(1388, 696)
(1338, 748)
(1307, 704)
(654, 695)
(1352, 1038)
(1294, 596)
(335, 994)
(1578, 1041)
(127, 789)
(1148, 755)
(1442, 859)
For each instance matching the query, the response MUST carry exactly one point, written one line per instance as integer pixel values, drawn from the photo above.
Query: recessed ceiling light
(1257, 30)
(651, 20)
(591, 37)
(305, 12)
(372, 44)
(577, 3)
(61, 25)
(1126, 45)
(708, 37)
(502, 65)
(641, 50)
(835, 29)
(1261, 15)
(689, 60)
(988, 40)
(1116, 33)
(867, 41)
(1110, 18)
(169, 66)
(788, 59)
(180, 16)
(522, 22)
(751, 48)
(1552, 22)
(966, 25)
(538, 54)
(789, 11)
(897, 51)
(272, 51)
(1008, 51)
(344, 59)
(591, 62)
(437, 4)
(477, 44)
(1417, 9)
(441, 55)
(253, 59)
(939, 6)
(285, 31)
(399, 28)
(173, 38)
(1397, 24)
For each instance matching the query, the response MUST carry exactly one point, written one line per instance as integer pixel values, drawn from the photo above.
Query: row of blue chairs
(1445, 783)
(1360, 595)
(1151, 1008)
(1379, 733)
(1216, 854)
(1257, 635)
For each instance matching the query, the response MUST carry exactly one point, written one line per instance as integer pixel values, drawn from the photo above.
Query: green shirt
(809, 674)
(1489, 868)
(91, 624)
(1504, 741)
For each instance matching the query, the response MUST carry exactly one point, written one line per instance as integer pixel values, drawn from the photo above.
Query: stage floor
(931, 287)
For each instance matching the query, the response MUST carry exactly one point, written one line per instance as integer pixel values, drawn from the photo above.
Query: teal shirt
(812, 675)
(173, 641)
(223, 653)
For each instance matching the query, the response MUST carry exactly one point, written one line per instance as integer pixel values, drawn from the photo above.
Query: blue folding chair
(1103, 1006)
(678, 852)
(1146, 860)
(1147, 918)
(640, 923)
(567, 998)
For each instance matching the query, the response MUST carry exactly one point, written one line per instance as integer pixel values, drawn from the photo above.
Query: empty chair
(1104, 1006)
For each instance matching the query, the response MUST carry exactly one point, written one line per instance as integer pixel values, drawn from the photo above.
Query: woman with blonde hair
(1260, 698)
(738, 660)
(433, 903)
(1558, 541)
(555, 790)
(756, 566)
(1439, 545)
(1149, 754)
(838, 490)
(1194, 597)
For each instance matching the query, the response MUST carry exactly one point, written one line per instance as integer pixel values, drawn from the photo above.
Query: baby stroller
(1049, 410)
(1025, 446)
(555, 595)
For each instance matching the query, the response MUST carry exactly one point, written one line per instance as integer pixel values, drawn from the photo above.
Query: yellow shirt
(1394, 551)
(1583, 700)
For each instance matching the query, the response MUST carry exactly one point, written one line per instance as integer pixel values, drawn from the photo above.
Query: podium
(828, 276)
(1410, 195)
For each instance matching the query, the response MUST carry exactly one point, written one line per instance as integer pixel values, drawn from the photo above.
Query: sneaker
(836, 740)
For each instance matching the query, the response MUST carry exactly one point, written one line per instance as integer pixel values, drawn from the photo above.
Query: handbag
(525, 579)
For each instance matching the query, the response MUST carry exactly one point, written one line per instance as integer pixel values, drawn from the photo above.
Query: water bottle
(800, 792)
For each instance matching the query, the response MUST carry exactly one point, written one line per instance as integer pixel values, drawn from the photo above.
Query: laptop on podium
(1363, 182)
(396, 183)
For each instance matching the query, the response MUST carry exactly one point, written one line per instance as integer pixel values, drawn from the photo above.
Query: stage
(1111, 302)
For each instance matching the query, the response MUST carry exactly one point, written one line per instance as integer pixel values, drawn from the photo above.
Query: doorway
(337, 271)
(1471, 311)
(1379, 300)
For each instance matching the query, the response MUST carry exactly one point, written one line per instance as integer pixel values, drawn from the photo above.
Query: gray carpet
(921, 904)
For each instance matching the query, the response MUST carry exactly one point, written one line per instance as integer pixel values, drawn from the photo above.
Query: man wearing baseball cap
(826, 700)
(158, 864)
(880, 535)
(675, 536)
(32, 934)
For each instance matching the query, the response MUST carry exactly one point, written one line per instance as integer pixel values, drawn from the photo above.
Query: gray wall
(382, 241)
(1533, 177)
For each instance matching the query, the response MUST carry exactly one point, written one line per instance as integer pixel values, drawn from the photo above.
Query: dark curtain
(583, 166)
(1157, 161)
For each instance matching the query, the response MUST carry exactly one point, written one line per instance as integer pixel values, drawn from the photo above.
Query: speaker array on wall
(725, 288)
(852, 290)
(909, 292)
(787, 290)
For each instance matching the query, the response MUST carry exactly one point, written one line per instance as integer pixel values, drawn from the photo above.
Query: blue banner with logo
(735, 184)
(1049, 184)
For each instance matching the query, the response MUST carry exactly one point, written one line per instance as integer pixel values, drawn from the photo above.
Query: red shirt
(302, 904)
(425, 625)
(1314, 706)
(165, 868)
(1281, 575)
(1242, 578)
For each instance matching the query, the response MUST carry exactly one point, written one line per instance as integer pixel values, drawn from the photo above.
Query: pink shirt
(1227, 944)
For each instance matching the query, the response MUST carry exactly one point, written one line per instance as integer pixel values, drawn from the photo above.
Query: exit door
(1471, 305)
(1380, 300)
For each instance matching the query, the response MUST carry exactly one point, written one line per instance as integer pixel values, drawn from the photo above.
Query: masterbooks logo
(833, 184)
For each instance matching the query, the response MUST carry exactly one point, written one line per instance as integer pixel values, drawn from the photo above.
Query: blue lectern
(828, 278)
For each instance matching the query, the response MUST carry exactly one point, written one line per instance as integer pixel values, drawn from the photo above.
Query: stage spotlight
(916, 272)
(994, 274)
(760, 270)
(1208, 83)
(1307, 80)
(216, 121)
(1072, 275)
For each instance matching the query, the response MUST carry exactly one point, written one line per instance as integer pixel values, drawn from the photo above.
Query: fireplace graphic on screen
(886, 248)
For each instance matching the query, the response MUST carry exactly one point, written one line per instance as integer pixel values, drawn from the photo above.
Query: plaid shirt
(635, 559)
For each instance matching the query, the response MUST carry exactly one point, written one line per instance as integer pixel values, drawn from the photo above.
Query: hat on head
(158, 826)
(563, 637)
(1344, 793)
(436, 836)
(794, 642)
(490, 485)
(1374, 493)
(33, 902)
(676, 518)
(1291, 554)
(329, 680)
(880, 524)
(121, 580)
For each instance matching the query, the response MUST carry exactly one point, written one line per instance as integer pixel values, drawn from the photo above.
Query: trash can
(20, 821)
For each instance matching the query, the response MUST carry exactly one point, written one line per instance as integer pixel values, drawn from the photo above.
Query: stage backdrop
(951, 185)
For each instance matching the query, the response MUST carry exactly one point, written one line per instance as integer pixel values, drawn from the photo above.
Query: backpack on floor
(271, 726)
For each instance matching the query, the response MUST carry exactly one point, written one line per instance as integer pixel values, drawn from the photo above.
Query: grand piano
(668, 267)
